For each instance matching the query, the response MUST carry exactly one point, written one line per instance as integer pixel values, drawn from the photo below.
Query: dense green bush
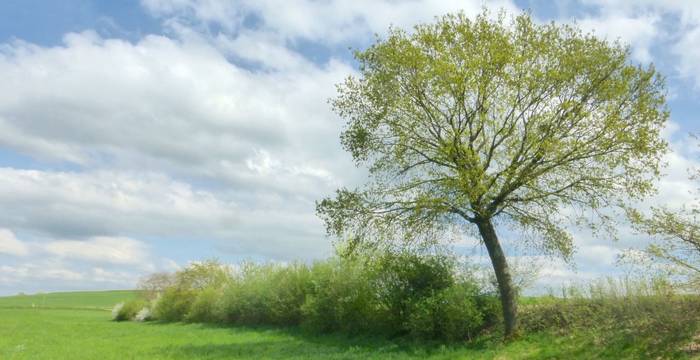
(174, 304)
(401, 280)
(341, 298)
(455, 313)
(291, 285)
(205, 307)
(387, 293)
(193, 293)
(266, 294)
(129, 309)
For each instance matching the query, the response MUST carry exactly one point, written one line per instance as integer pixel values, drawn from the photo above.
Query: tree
(470, 123)
(678, 232)
(155, 284)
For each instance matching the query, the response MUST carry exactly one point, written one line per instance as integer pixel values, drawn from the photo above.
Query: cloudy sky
(136, 136)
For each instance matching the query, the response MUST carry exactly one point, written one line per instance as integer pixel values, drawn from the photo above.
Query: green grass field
(95, 300)
(78, 326)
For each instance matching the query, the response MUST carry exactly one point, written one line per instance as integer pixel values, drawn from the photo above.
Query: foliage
(205, 306)
(467, 123)
(454, 313)
(144, 314)
(154, 284)
(645, 310)
(405, 278)
(678, 232)
(192, 290)
(116, 309)
(174, 304)
(344, 297)
(464, 119)
(128, 310)
(201, 275)
(369, 293)
(266, 294)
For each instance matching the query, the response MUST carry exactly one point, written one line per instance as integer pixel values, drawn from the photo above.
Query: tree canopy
(470, 121)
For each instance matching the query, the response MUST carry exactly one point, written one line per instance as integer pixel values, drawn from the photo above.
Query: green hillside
(69, 300)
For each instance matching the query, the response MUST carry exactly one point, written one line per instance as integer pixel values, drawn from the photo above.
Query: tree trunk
(505, 282)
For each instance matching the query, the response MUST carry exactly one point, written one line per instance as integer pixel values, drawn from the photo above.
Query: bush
(267, 294)
(455, 313)
(128, 310)
(174, 304)
(152, 286)
(205, 306)
(291, 285)
(144, 315)
(177, 300)
(374, 293)
(341, 298)
(115, 310)
(403, 279)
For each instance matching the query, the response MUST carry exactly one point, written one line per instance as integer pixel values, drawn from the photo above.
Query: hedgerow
(394, 294)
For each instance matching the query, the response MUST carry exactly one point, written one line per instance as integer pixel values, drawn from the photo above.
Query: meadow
(79, 325)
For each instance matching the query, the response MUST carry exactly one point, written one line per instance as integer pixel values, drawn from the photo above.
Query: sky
(137, 136)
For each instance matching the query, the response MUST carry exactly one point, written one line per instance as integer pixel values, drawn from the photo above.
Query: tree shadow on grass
(293, 343)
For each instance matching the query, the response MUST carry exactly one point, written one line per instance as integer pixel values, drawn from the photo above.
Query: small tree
(474, 122)
(154, 284)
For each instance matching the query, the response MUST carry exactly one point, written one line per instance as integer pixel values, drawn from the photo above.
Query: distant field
(102, 300)
(67, 326)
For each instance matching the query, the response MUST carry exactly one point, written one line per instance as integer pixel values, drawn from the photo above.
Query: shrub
(174, 304)
(201, 275)
(385, 293)
(267, 294)
(143, 315)
(177, 300)
(115, 310)
(341, 298)
(247, 298)
(291, 284)
(454, 313)
(205, 306)
(153, 285)
(403, 279)
(128, 310)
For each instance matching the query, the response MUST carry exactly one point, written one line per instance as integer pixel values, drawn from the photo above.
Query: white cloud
(64, 205)
(178, 105)
(101, 249)
(10, 245)
(33, 271)
(330, 22)
(251, 150)
(672, 23)
(639, 31)
(688, 51)
(172, 137)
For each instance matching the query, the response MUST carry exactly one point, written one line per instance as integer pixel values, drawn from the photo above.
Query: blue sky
(136, 136)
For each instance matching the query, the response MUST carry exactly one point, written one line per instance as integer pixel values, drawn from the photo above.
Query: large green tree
(494, 120)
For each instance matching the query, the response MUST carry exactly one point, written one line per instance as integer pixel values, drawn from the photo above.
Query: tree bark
(503, 276)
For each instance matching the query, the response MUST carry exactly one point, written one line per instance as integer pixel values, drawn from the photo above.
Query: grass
(94, 300)
(67, 326)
